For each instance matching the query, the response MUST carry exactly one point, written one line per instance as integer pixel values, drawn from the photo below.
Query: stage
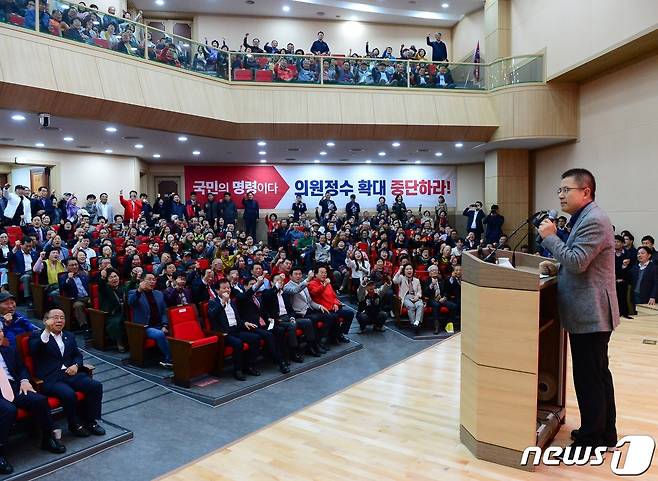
(403, 423)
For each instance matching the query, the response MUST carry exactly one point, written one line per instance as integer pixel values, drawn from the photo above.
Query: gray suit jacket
(587, 295)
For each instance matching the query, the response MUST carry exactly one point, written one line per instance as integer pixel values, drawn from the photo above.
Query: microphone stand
(516, 247)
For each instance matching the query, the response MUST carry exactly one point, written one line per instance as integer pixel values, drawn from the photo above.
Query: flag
(476, 59)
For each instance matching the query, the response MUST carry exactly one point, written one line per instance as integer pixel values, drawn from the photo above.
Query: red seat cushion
(299, 332)
(320, 324)
(228, 351)
(184, 323)
(149, 343)
(205, 341)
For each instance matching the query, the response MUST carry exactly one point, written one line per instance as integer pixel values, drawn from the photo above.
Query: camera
(44, 120)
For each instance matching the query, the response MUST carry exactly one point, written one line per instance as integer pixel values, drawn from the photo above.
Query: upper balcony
(117, 70)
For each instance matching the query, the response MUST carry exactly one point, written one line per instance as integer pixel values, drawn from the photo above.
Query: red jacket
(132, 209)
(323, 295)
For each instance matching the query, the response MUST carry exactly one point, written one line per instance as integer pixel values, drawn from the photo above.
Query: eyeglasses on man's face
(565, 190)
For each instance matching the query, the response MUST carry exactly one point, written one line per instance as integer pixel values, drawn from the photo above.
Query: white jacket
(12, 204)
(362, 271)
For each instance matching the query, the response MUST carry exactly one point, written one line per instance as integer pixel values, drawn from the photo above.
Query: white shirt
(474, 223)
(45, 337)
(3, 365)
(282, 305)
(230, 315)
(27, 258)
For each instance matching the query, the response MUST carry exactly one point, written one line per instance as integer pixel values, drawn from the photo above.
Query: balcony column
(507, 183)
(497, 29)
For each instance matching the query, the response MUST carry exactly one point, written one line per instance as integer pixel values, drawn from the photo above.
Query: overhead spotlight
(182, 138)
(262, 152)
(330, 144)
(396, 144)
(382, 154)
(262, 143)
(68, 139)
(459, 145)
(263, 161)
(18, 117)
(110, 129)
(39, 144)
(323, 153)
(285, 8)
(438, 154)
(316, 161)
(108, 151)
(445, 5)
(156, 156)
(159, 3)
(139, 146)
(368, 161)
(196, 152)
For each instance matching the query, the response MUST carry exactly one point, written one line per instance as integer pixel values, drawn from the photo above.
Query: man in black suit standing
(225, 318)
(16, 392)
(475, 216)
(58, 362)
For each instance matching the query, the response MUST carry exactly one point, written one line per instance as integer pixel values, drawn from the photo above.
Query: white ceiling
(403, 12)
(92, 134)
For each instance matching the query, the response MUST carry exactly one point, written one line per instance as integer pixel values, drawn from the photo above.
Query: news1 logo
(638, 455)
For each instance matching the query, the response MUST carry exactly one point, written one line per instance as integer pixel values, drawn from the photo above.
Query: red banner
(264, 181)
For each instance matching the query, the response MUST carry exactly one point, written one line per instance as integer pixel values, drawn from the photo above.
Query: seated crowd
(129, 36)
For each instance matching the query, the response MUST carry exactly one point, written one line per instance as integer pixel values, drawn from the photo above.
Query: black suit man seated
(248, 306)
(276, 306)
(16, 392)
(225, 318)
(75, 284)
(57, 362)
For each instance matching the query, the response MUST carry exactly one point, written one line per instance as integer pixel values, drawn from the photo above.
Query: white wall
(466, 34)
(81, 174)
(341, 36)
(618, 143)
(575, 31)
(470, 188)
(103, 5)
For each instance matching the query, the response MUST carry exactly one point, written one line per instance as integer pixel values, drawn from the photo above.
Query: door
(167, 185)
(39, 178)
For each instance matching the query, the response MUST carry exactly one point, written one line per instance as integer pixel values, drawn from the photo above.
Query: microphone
(539, 217)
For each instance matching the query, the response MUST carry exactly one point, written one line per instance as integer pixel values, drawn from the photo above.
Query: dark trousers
(442, 319)
(327, 321)
(270, 343)
(376, 318)
(236, 340)
(250, 228)
(304, 324)
(34, 403)
(622, 297)
(594, 388)
(342, 322)
(65, 389)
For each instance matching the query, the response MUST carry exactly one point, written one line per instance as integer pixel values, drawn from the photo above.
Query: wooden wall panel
(158, 89)
(77, 74)
(26, 63)
(120, 81)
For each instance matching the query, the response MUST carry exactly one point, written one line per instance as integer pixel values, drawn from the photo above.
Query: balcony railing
(73, 22)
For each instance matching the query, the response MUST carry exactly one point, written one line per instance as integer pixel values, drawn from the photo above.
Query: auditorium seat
(101, 42)
(16, 19)
(264, 76)
(97, 319)
(242, 74)
(138, 343)
(193, 351)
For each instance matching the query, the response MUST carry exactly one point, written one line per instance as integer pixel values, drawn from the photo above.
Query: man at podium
(587, 303)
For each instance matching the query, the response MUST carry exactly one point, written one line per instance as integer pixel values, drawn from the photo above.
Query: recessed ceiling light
(110, 129)
(323, 153)
(382, 154)
(262, 143)
(68, 139)
(156, 156)
(417, 162)
(368, 161)
(285, 8)
(39, 144)
(108, 151)
(316, 161)
(196, 152)
(263, 161)
(159, 2)
(438, 154)
(396, 144)
(262, 152)
(182, 138)
(459, 145)
(445, 5)
(18, 117)
(330, 144)
(139, 146)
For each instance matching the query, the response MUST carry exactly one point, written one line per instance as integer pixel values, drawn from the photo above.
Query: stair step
(646, 310)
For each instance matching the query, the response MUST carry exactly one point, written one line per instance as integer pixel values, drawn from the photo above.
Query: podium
(513, 358)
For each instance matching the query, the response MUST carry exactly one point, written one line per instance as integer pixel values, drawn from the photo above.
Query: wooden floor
(403, 424)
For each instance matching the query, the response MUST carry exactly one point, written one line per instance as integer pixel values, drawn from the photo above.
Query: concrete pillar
(497, 29)
(507, 183)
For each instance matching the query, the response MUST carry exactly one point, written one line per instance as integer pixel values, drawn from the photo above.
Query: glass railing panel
(516, 70)
(369, 71)
(20, 14)
(281, 68)
(209, 60)
(444, 75)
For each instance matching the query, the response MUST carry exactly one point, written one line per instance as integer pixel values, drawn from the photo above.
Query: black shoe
(313, 351)
(252, 371)
(5, 466)
(166, 365)
(95, 429)
(379, 328)
(239, 376)
(627, 317)
(325, 346)
(283, 369)
(343, 339)
(298, 358)
(79, 431)
(49, 443)
(322, 349)
(574, 434)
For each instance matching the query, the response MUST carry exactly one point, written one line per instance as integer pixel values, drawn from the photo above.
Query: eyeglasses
(566, 190)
